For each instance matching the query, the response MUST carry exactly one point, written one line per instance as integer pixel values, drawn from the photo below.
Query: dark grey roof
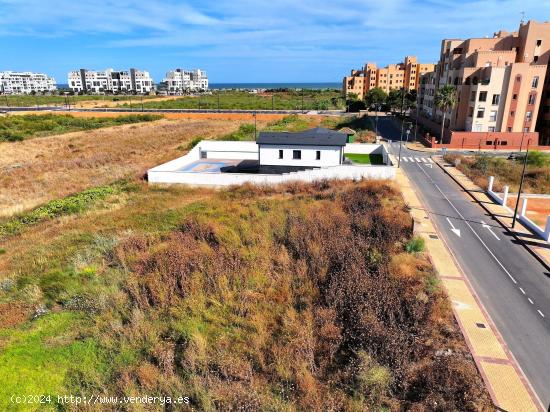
(312, 137)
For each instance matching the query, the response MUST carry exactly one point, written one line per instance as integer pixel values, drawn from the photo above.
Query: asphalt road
(513, 286)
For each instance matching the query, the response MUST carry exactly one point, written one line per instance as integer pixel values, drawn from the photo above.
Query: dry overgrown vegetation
(300, 297)
(36, 171)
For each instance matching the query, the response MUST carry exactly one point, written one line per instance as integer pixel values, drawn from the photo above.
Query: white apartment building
(26, 83)
(91, 81)
(179, 81)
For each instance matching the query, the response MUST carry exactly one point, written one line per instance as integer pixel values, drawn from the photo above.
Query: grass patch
(36, 357)
(17, 128)
(415, 245)
(72, 204)
(368, 159)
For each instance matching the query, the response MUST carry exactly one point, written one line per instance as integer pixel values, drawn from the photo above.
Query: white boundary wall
(169, 173)
(543, 233)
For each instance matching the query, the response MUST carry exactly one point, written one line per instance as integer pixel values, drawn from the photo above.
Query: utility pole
(254, 125)
(401, 141)
(416, 117)
(302, 100)
(376, 122)
(521, 184)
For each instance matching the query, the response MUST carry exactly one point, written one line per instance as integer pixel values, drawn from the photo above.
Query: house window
(535, 82)
(528, 115)
(473, 97)
(482, 96)
(318, 155)
(491, 128)
(489, 143)
(496, 99)
(478, 127)
(539, 42)
(509, 129)
(280, 154)
(480, 113)
(504, 143)
(515, 97)
(526, 129)
(296, 154)
(535, 59)
(512, 113)
(493, 116)
(532, 98)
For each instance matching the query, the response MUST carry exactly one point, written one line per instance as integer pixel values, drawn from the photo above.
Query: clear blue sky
(242, 40)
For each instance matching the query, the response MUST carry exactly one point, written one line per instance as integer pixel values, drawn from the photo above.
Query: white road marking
(540, 313)
(530, 301)
(453, 228)
(522, 291)
(411, 159)
(418, 160)
(405, 160)
(430, 160)
(423, 159)
(486, 226)
(471, 228)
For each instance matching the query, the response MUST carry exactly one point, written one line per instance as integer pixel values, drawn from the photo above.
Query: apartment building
(180, 81)
(110, 81)
(26, 83)
(543, 121)
(394, 76)
(499, 80)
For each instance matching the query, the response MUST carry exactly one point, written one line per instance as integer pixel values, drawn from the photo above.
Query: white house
(316, 147)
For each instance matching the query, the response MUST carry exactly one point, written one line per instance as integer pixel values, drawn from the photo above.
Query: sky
(243, 40)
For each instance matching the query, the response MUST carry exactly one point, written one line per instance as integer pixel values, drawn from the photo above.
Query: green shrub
(415, 245)
(538, 159)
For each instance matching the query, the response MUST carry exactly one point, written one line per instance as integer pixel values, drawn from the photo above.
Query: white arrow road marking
(453, 228)
(486, 226)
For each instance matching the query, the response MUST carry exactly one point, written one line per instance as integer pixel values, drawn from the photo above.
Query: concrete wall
(228, 179)
(228, 149)
(542, 233)
(330, 155)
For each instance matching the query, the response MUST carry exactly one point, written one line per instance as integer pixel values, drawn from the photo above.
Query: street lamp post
(254, 126)
(416, 117)
(401, 141)
(521, 184)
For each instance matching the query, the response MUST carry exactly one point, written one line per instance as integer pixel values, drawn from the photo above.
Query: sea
(327, 85)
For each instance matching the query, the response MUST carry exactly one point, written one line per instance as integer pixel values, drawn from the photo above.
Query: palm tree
(445, 99)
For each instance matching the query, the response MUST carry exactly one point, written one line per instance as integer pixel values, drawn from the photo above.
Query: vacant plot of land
(35, 171)
(17, 128)
(368, 159)
(538, 209)
(301, 297)
(287, 100)
(506, 172)
(73, 101)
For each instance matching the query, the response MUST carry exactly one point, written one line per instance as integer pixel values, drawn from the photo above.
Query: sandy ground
(35, 171)
(538, 209)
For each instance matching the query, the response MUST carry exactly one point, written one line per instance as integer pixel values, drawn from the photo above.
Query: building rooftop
(313, 137)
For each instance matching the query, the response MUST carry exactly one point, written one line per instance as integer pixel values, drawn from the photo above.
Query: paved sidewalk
(505, 382)
(504, 215)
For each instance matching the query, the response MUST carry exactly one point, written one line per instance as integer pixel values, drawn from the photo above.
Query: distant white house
(317, 147)
(180, 81)
(91, 81)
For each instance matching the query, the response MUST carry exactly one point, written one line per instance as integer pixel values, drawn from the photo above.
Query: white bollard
(523, 207)
(505, 196)
(491, 181)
